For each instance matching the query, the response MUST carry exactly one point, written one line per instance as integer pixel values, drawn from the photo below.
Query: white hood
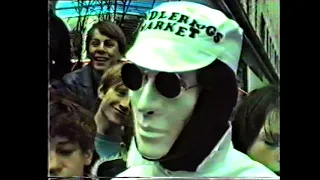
(223, 161)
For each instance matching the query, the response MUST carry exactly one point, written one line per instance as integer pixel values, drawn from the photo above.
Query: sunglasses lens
(131, 76)
(168, 84)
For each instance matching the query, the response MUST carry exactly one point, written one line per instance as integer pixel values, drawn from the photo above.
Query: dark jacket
(84, 84)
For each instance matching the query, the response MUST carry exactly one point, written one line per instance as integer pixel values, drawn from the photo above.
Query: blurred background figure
(114, 124)
(256, 127)
(105, 45)
(59, 47)
(72, 131)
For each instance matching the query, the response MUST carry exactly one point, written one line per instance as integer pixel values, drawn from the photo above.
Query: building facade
(264, 16)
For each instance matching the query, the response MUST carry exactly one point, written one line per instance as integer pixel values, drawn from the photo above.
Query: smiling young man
(182, 90)
(114, 124)
(105, 45)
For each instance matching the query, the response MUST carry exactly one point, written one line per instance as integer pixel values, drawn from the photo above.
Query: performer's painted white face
(159, 120)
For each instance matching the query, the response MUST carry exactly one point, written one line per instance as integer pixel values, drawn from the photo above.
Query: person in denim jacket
(114, 124)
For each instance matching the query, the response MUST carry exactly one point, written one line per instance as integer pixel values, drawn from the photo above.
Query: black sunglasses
(169, 85)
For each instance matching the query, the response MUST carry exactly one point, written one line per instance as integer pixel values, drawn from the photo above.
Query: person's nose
(148, 99)
(125, 105)
(55, 164)
(101, 49)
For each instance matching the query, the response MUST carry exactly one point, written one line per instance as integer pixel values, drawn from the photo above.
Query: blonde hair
(112, 77)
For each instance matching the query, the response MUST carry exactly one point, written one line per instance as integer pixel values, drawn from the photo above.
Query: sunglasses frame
(183, 84)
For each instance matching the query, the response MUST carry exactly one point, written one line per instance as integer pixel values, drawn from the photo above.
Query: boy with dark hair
(257, 127)
(71, 136)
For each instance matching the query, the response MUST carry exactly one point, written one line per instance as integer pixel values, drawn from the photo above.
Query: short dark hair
(112, 30)
(69, 119)
(251, 116)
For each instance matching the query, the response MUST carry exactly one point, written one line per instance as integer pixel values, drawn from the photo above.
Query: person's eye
(95, 43)
(109, 44)
(122, 93)
(65, 152)
(271, 144)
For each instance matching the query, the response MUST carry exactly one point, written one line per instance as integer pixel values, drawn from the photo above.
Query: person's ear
(88, 157)
(101, 92)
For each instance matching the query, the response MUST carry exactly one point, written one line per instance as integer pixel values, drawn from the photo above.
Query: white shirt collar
(221, 149)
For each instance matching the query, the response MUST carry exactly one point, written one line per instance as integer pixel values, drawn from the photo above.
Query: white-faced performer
(182, 89)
